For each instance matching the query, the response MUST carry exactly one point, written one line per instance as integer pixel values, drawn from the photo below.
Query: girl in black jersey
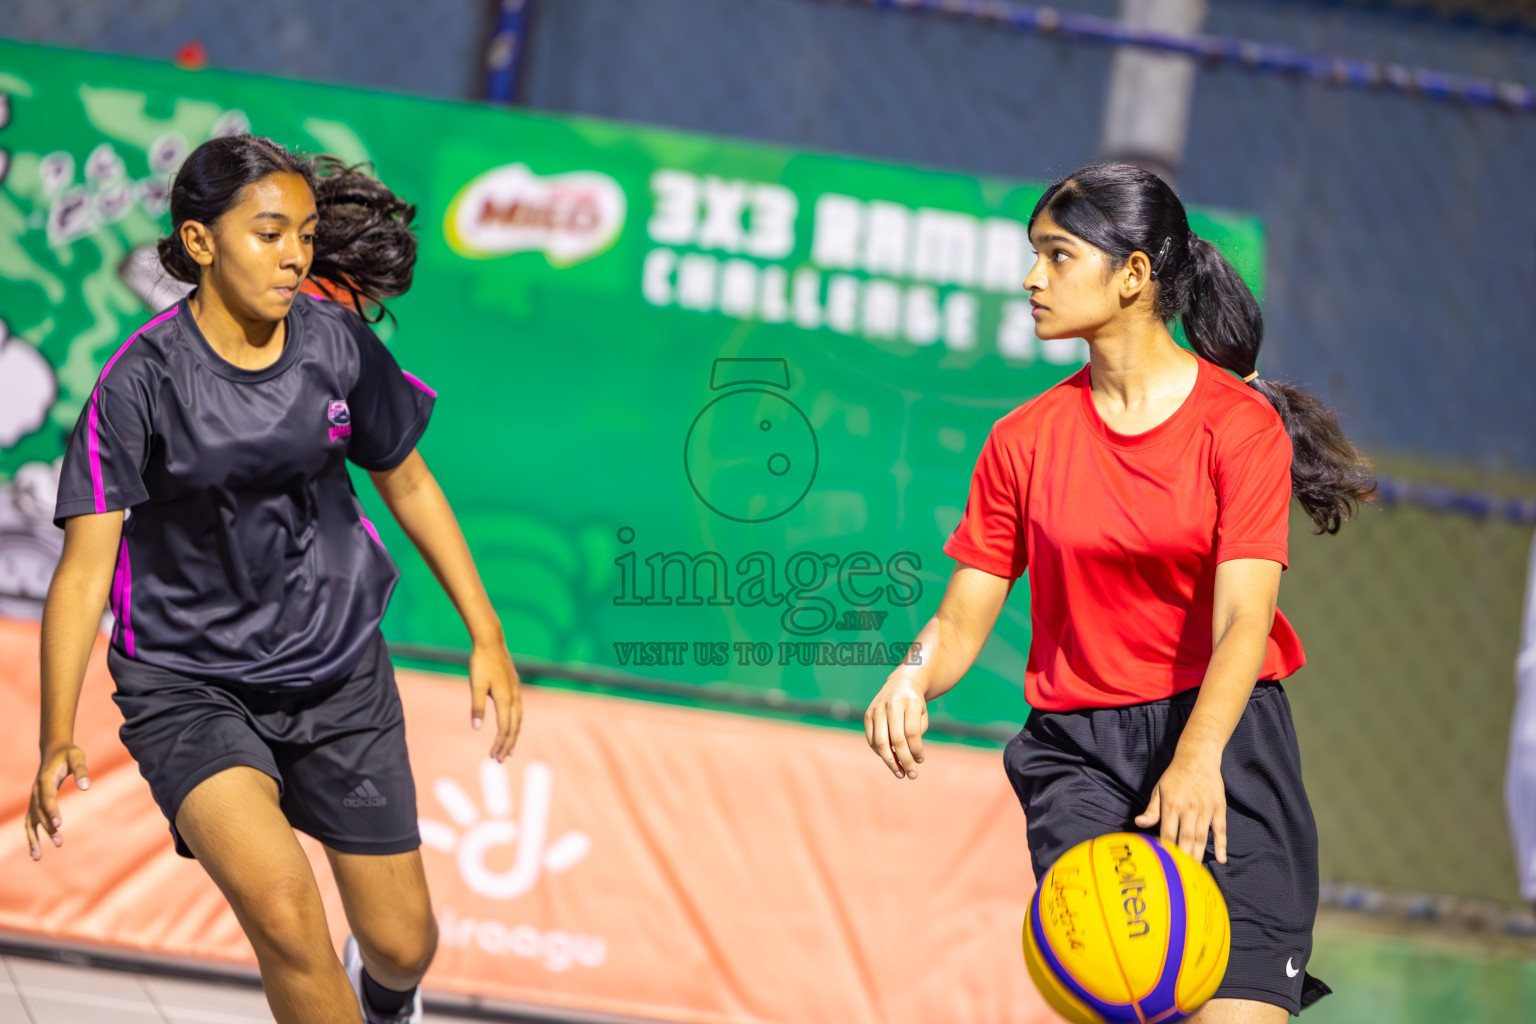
(205, 494)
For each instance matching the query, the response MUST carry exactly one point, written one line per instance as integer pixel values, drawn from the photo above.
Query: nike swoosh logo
(1290, 972)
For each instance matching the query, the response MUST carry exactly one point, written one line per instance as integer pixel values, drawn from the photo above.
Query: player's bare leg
(1240, 1011)
(233, 823)
(390, 912)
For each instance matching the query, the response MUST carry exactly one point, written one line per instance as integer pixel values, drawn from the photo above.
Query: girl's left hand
(1191, 802)
(491, 672)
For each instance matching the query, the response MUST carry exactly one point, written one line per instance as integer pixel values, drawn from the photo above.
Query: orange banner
(631, 858)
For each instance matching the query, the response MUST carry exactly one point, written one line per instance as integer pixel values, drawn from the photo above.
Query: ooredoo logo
(486, 826)
(568, 217)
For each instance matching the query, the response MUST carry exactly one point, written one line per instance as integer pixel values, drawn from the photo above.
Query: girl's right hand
(895, 723)
(44, 810)
(898, 716)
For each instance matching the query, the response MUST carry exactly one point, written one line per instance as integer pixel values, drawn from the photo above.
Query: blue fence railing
(1435, 498)
(1259, 57)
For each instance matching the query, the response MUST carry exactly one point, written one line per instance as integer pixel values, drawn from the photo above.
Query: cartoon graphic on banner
(27, 388)
(30, 546)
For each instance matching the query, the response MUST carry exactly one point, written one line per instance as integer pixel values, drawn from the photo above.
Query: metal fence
(1400, 265)
(1411, 620)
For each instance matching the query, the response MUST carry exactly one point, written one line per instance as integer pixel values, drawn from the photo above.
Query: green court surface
(1419, 977)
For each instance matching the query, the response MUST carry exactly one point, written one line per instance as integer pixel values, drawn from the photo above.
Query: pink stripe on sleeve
(162, 318)
(94, 447)
(418, 382)
(93, 442)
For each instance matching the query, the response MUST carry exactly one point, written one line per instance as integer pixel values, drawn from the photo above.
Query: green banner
(708, 409)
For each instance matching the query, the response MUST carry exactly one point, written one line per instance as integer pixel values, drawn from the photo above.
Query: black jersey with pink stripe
(246, 558)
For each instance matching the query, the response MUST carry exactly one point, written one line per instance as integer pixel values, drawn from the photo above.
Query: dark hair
(364, 245)
(1120, 209)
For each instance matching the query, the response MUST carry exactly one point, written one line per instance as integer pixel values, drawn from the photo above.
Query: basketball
(1126, 928)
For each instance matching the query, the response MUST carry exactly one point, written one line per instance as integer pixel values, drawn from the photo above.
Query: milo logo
(568, 217)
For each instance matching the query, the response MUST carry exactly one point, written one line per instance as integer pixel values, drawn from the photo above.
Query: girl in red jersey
(1147, 496)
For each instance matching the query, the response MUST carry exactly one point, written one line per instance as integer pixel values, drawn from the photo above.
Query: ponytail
(1223, 323)
(364, 245)
(1329, 476)
(1121, 209)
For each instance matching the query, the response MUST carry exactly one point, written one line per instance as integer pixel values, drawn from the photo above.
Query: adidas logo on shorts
(366, 795)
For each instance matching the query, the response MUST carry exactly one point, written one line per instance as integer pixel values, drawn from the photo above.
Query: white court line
(14, 989)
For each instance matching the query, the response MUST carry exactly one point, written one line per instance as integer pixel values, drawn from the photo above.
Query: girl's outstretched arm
(945, 649)
(419, 505)
(71, 619)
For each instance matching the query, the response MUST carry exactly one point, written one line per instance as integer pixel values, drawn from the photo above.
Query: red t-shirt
(1121, 535)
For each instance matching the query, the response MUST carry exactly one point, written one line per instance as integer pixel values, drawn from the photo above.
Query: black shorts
(1081, 774)
(336, 751)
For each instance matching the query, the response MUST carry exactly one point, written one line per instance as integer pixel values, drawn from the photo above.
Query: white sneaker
(352, 961)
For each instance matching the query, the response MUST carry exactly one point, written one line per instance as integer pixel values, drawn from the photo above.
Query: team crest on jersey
(341, 419)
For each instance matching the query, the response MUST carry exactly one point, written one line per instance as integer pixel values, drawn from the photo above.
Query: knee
(405, 952)
(286, 921)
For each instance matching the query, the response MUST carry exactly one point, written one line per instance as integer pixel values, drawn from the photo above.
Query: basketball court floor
(1380, 972)
(45, 991)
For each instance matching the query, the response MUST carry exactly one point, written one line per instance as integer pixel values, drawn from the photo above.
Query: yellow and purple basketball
(1125, 929)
